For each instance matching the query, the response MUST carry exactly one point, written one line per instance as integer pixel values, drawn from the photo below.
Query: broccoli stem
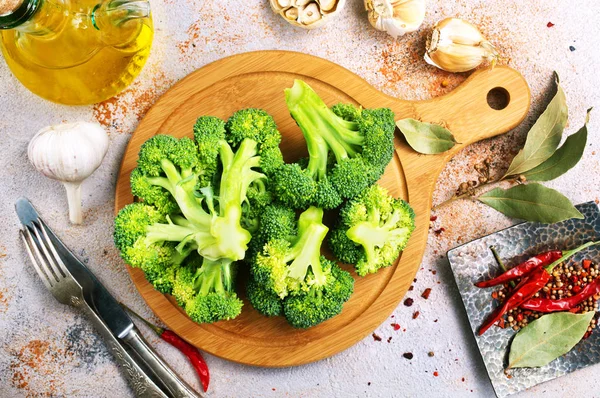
(316, 119)
(306, 251)
(210, 279)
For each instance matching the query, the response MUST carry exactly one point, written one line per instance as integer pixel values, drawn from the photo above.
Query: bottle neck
(20, 15)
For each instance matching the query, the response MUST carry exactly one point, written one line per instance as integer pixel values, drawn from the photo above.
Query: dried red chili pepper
(186, 348)
(528, 287)
(522, 269)
(547, 305)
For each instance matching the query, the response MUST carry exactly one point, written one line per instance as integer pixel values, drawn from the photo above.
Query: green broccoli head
(274, 222)
(138, 235)
(151, 193)
(291, 267)
(378, 225)
(209, 132)
(259, 126)
(349, 149)
(206, 291)
(264, 301)
(315, 304)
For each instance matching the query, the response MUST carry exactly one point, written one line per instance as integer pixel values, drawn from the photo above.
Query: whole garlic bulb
(69, 153)
(396, 17)
(456, 45)
(307, 14)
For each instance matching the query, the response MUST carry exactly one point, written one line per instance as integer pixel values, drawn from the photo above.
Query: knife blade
(103, 303)
(110, 312)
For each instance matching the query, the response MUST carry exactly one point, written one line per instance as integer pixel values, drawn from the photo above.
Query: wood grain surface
(257, 79)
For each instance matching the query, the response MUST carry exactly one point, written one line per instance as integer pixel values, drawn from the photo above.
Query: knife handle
(175, 386)
(140, 382)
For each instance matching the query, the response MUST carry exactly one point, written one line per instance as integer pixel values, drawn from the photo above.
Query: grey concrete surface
(47, 349)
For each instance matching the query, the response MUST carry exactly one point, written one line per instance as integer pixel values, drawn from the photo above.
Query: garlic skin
(69, 153)
(456, 45)
(396, 17)
(307, 14)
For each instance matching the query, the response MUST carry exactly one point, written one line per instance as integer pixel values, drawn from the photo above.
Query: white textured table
(47, 349)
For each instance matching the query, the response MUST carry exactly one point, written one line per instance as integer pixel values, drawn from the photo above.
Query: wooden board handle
(466, 111)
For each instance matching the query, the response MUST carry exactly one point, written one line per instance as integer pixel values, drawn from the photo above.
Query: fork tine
(28, 241)
(52, 260)
(50, 245)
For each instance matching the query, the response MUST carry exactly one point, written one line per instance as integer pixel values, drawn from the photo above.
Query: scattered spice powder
(436, 374)
(376, 337)
(369, 383)
(396, 326)
(463, 379)
(571, 48)
(426, 293)
(549, 24)
(416, 314)
(411, 288)
(408, 302)
(408, 355)
(389, 339)
(434, 272)
(430, 354)
(439, 231)
(432, 218)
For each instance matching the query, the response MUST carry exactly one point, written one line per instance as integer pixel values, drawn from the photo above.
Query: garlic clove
(395, 17)
(291, 14)
(309, 15)
(456, 45)
(280, 5)
(327, 6)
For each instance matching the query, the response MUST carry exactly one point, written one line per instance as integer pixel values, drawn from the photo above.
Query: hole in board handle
(498, 98)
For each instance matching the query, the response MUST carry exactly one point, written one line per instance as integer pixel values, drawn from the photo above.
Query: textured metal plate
(474, 261)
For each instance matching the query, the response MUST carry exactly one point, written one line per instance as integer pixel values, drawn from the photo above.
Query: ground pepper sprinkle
(426, 293)
(408, 302)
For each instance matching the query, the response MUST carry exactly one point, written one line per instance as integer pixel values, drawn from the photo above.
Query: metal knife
(110, 312)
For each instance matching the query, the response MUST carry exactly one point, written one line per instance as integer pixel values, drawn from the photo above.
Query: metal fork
(67, 290)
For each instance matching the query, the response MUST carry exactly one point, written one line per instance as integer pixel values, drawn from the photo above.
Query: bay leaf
(427, 138)
(531, 202)
(547, 338)
(565, 157)
(544, 136)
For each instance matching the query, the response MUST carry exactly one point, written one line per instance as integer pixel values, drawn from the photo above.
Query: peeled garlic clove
(456, 45)
(327, 6)
(396, 17)
(307, 14)
(280, 5)
(310, 14)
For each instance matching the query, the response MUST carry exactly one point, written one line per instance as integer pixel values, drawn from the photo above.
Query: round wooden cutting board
(257, 80)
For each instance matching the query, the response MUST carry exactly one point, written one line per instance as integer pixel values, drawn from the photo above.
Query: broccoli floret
(138, 235)
(306, 308)
(313, 289)
(275, 222)
(205, 290)
(209, 132)
(257, 125)
(374, 228)
(349, 149)
(264, 301)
